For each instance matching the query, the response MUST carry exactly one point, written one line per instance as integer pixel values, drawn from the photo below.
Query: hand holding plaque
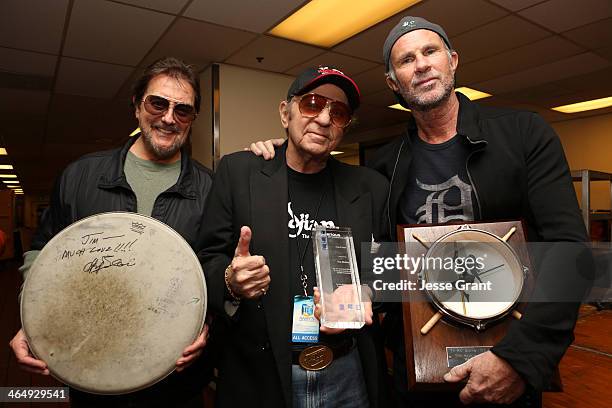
(338, 278)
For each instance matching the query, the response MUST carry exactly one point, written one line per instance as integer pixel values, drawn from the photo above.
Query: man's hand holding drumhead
(24, 357)
(248, 276)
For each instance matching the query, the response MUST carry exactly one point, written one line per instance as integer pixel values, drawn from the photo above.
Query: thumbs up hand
(248, 276)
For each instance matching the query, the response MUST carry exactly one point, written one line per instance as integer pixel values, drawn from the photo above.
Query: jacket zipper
(470, 175)
(399, 152)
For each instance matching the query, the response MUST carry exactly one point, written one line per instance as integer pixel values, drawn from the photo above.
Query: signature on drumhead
(106, 261)
(138, 227)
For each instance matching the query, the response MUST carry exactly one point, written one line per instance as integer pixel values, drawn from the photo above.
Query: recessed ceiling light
(6, 167)
(8, 176)
(472, 94)
(326, 23)
(3, 151)
(10, 181)
(585, 106)
(14, 186)
(335, 152)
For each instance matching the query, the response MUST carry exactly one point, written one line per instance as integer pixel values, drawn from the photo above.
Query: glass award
(338, 278)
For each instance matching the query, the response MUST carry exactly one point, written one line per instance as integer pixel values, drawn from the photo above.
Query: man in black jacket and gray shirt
(152, 175)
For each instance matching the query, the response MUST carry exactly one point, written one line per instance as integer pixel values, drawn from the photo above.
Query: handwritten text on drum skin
(91, 239)
(106, 262)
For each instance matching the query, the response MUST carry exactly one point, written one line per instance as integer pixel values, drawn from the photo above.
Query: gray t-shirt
(149, 179)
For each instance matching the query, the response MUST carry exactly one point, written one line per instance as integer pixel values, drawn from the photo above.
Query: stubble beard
(418, 103)
(162, 153)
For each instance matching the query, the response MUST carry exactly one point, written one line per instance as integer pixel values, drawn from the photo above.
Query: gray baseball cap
(406, 25)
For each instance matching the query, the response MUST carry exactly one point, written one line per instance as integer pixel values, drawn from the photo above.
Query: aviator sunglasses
(312, 104)
(157, 105)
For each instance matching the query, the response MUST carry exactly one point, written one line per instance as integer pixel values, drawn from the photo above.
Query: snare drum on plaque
(112, 301)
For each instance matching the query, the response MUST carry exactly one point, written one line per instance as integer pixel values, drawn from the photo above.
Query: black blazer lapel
(268, 189)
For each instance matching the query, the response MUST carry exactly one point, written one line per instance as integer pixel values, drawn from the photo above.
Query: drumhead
(112, 301)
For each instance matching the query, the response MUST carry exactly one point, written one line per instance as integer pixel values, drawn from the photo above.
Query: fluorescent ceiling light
(335, 152)
(398, 107)
(18, 192)
(8, 176)
(12, 186)
(472, 94)
(6, 167)
(328, 22)
(135, 132)
(585, 106)
(3, 151)
(10, 181)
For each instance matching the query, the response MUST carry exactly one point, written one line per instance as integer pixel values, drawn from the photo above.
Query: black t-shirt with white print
(438, 189)
(311, 203)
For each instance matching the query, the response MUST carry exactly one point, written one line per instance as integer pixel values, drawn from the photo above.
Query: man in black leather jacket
(153, 175)
(459, 161)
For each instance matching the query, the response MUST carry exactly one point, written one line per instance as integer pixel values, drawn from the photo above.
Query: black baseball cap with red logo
(313, 77)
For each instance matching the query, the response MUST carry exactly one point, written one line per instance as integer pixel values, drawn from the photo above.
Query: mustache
(168, 128)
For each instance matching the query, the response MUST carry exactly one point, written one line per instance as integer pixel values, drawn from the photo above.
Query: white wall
(249, 102)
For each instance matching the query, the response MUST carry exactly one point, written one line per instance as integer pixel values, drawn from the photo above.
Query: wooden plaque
(426, 355)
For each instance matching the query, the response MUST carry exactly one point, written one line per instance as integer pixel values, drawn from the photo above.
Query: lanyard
(302, 254)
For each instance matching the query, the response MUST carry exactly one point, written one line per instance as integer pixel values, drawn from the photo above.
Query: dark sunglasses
(157, 106)
(311, 105)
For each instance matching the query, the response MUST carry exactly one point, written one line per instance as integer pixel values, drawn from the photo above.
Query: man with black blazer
(259, 258)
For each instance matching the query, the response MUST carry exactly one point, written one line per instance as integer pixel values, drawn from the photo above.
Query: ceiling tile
(349, 65)
(540, 52)
(605, 52)
(369, 44)
(455, 17)
(278, 55)
(93, 79)
(86, 115)
(167, 6)
(596, 84)
(32, 24)
(576, 65)
(132, 33)
(371, 81)
(24, 62)
(256, 16)
(592, 36)
(491, 39)
(381, 99)
(562, 15)
(24, 103)
(515, 5)
(539, 95)
(193, 41)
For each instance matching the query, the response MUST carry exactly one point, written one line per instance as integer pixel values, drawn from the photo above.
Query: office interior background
(66, 67)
